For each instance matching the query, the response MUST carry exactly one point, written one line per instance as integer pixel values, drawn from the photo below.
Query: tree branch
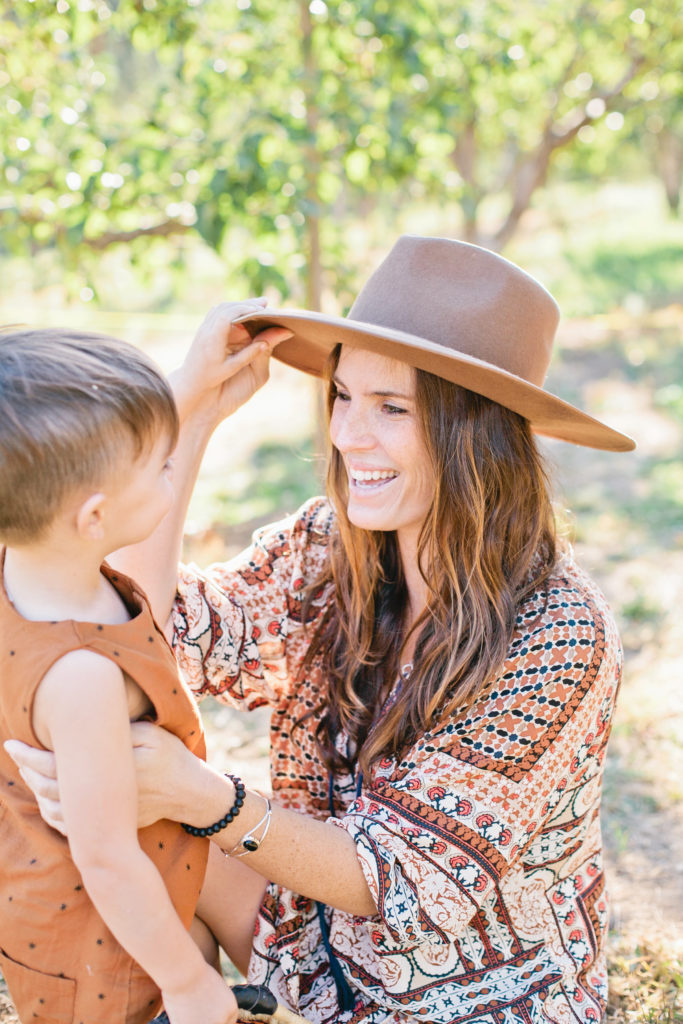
(162, 230)
(532, 172)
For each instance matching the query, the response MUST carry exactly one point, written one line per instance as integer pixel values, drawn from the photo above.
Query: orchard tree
(94, 126)
(267, 126)
(490, 93)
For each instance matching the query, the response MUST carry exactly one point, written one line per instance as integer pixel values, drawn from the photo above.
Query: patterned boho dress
(481, 846)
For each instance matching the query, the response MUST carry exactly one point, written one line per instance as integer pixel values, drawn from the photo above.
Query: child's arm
(81, 713)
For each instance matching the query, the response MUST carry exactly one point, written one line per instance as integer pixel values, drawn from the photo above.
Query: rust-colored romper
(60, 961)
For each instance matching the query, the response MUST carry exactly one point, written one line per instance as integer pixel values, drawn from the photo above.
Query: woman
(442, 675)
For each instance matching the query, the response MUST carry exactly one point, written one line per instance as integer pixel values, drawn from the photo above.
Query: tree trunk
(531, 173)
(314, 273)
(532, 170)
(312, 163)
(464, 157)
(670, 165)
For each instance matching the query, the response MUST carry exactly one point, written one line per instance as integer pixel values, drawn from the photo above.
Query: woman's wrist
(178, 785)
(227, 818)
(217, 795)
(252, 840)
(238, 818)
(197, 420)
(193, 403)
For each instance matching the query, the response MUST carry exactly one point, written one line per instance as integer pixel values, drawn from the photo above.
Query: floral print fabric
(481, 845)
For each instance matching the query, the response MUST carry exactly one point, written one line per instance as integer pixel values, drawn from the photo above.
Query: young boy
(93, 929)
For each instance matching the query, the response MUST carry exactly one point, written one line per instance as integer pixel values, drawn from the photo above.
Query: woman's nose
(350, 430)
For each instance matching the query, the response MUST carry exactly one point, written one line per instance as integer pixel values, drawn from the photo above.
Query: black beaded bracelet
(211, 830)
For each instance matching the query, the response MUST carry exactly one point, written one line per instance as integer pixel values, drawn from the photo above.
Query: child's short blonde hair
(72, 406)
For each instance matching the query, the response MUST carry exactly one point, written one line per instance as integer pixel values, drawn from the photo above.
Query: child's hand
(209, 1002)
(224, 367)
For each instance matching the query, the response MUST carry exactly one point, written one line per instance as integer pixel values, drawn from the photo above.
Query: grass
(604, 247)
(646, 986)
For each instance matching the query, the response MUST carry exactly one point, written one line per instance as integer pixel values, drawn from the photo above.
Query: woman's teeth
(361, 476)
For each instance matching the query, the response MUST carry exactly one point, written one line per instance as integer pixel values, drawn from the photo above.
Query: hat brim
(316, 334)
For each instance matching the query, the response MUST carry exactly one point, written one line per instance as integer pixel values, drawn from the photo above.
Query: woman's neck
(415, 584)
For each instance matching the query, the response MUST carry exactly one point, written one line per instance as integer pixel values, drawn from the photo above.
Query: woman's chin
(368, 519)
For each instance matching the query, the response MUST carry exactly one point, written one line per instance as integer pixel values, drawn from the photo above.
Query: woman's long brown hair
(487, 542)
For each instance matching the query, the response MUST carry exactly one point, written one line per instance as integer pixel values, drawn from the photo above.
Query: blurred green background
(159, 156)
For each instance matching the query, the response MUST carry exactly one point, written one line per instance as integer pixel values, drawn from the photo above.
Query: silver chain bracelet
(252, 840)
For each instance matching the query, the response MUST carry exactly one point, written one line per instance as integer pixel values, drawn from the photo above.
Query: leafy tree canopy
(125, 120)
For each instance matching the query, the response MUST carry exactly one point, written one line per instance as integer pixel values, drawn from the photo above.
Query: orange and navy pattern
(481, 845)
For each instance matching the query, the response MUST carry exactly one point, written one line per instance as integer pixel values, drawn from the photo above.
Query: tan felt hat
(457, 311)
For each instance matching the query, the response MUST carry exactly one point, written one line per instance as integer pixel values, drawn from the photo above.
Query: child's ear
(90, 517)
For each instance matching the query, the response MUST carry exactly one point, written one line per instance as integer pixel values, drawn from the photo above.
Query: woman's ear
(90, 517)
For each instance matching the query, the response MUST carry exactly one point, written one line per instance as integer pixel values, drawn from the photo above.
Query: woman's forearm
(310, 857)
(154, 562)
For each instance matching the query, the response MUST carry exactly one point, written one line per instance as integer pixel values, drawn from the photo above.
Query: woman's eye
(393, 410)
(341, 396)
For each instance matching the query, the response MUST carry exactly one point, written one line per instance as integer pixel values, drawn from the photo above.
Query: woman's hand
(224, 367)
(38, 769)
(169, 776)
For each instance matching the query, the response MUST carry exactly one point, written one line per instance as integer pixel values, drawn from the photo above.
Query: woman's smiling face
(376, 428)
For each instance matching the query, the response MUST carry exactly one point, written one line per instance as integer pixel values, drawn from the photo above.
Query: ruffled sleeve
(502, 789)
(434, 847)
(237, 627)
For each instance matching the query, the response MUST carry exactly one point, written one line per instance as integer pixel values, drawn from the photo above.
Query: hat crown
(465, 298)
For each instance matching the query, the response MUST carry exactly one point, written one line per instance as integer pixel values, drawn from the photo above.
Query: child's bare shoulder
(79, 684)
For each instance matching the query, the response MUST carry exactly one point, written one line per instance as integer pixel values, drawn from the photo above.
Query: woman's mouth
(371, 479)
